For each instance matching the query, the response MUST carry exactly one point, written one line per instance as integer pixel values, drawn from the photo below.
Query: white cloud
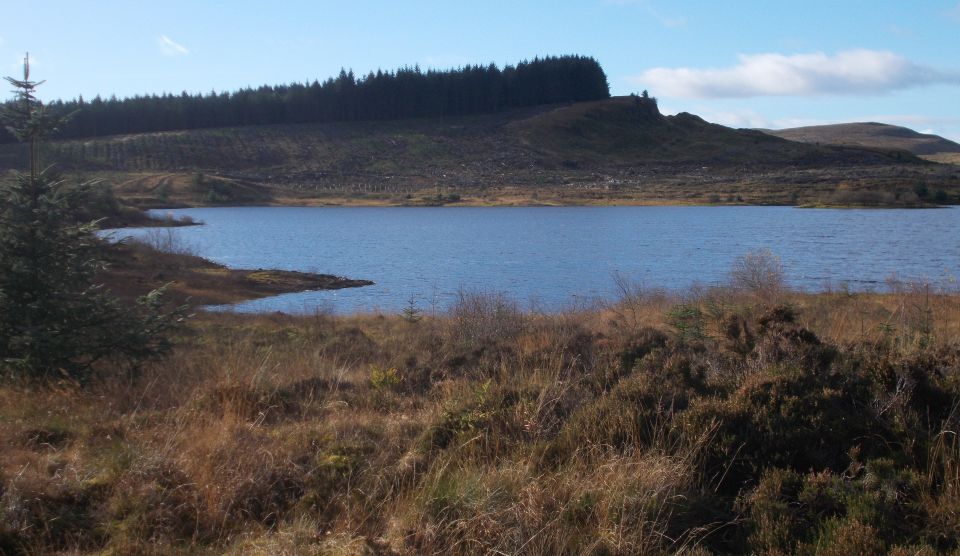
(170, 48)
(858, 71)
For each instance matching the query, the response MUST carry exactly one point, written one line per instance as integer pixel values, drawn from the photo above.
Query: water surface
(555, 257)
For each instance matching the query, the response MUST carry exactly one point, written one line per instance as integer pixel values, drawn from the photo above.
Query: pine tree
(404, 93)
(54, 321)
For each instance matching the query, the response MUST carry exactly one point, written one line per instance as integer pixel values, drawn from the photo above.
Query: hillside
(407, 92)
(870, 134)
(620, 150)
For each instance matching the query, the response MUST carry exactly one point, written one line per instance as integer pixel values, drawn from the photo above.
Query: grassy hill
(620, 150)
(870, 134)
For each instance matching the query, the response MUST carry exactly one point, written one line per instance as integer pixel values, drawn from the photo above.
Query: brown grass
(944, 158)
(162, 259)
(785, 422)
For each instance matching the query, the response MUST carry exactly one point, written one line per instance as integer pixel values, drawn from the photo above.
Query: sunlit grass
(783, 422)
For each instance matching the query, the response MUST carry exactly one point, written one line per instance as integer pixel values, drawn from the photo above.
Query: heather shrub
(869, 507)
(782, 417)
(275, 434)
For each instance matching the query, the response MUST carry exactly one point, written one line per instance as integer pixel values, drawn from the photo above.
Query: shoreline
(519, 203)
(136, 269)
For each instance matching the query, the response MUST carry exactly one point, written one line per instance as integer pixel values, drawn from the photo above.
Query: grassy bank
(804, 188)
(742, 419)
(161, 259)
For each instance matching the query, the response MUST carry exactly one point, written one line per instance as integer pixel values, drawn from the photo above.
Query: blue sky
(740, 63)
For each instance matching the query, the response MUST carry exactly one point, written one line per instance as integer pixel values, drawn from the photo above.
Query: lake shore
(531, 200)
(136, 269)
(556, 257)
(526, 199)
(180, 190)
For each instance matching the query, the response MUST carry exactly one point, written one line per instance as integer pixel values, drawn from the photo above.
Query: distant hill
(404, 93)
(615, 150)
(870, 134)
(606, 135)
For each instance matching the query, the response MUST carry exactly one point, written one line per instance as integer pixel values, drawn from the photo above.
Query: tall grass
(788, 423)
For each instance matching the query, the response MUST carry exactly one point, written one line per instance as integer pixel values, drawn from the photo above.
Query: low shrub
(773, 431)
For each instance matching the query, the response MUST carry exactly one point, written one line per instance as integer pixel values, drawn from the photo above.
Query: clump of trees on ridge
(404, 93)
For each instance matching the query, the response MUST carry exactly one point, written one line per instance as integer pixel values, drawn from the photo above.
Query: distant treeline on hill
(404, 93)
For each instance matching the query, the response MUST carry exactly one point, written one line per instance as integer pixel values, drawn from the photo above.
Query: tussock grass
(726, 420)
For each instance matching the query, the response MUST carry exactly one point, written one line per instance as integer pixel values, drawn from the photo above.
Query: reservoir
(551, 258)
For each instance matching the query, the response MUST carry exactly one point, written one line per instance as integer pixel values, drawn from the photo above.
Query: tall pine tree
(54, 321)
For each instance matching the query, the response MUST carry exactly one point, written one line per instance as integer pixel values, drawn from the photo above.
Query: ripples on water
(555, 257)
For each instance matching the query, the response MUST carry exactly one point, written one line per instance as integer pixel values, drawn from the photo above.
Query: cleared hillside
(616, 150)
(870, 134)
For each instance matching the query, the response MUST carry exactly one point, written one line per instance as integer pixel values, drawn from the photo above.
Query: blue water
(551, 258)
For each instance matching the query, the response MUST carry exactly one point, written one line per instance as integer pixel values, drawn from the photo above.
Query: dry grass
(944, 158)
(770, 422)
(164, 260)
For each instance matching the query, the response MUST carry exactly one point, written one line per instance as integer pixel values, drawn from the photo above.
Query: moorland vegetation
(735, 419)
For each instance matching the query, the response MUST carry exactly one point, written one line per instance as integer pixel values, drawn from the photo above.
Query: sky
(770, 64)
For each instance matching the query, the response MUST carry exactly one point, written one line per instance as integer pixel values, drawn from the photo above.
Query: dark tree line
(404, 93)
